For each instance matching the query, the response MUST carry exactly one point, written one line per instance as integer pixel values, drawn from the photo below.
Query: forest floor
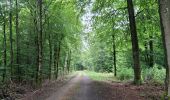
(81, 87)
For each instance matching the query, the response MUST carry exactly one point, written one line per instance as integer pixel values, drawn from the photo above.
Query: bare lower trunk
(40, 46)
(55, 59)
(58, 59)
(17, 44)
(165, 22)
(50, 55)
(11, 39)
(146, 53)
(4, 48)
(165, 50)
(151, 57)
(114, 55)
(69, 62)
(65, 63)
(135, 46)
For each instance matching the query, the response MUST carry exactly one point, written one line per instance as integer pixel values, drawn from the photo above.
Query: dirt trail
(81, 87)
(67, 91)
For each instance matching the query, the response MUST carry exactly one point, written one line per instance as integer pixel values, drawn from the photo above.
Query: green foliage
(125, 74)
(155, 74)
(100, 76)
(63, 32)
(61, 28)
(111, 19)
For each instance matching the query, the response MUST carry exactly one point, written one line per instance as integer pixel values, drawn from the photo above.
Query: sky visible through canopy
(87, 23)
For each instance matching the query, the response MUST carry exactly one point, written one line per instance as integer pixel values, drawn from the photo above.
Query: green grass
(126, 74)
(100, 76)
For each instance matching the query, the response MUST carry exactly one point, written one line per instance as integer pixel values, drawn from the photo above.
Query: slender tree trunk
(135, 45)
(114, 49)
(11, 39)
(17, 43)
(151, 58)
(58, 59)
(69, 62)
(55, 59)
(165, 50)
(114, 55)
(65, 63)
(40, 39)
(4, 48)
(164, 6)
(40, 46)
(146, 53)
(37, 49)
(50, 54)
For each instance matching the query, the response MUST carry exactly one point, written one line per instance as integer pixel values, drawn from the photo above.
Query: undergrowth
(155, 74)
(100, 76)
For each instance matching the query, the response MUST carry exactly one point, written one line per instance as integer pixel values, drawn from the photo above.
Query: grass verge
(100, 76)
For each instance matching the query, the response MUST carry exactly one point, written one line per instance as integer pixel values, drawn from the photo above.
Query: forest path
(76, 89)
(82, 87)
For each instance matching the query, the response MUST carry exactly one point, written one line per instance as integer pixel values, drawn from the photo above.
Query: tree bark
(55, 59)
(114, 49)
(69, 62)
(66, 63)
(58, 59)
(4, 47)
(50, 53)
(17, 43)
(135, 45)
(146, 53)
(114, 55)
(11, 39)
(40, 46)
(151, 57)
(164, 10)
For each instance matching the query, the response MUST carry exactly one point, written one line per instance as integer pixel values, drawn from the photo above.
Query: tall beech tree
(17, 41)
(40, 41)
(4, 42)
(165, 22)
(135, 46)
(11, 37)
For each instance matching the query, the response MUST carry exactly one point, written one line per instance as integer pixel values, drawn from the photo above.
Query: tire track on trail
(68, 90)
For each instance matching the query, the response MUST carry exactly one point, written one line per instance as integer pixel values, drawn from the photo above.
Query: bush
(100, 76)
(156, 74)
(125, 74)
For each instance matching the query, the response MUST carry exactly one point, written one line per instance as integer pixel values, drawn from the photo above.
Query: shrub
(125, 74)
(156, 74)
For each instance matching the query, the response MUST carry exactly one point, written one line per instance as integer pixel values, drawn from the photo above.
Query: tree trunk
(135, 45)
(40, 46)
(58, 59)
(69, 62)
(164, 6)
(17, 44)
(11, 39)
(151, 57)
(37, 47)
(55, 58)
(114, 55)
(50, 54)
(4, 47)
(146, 53)
(65, 63)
